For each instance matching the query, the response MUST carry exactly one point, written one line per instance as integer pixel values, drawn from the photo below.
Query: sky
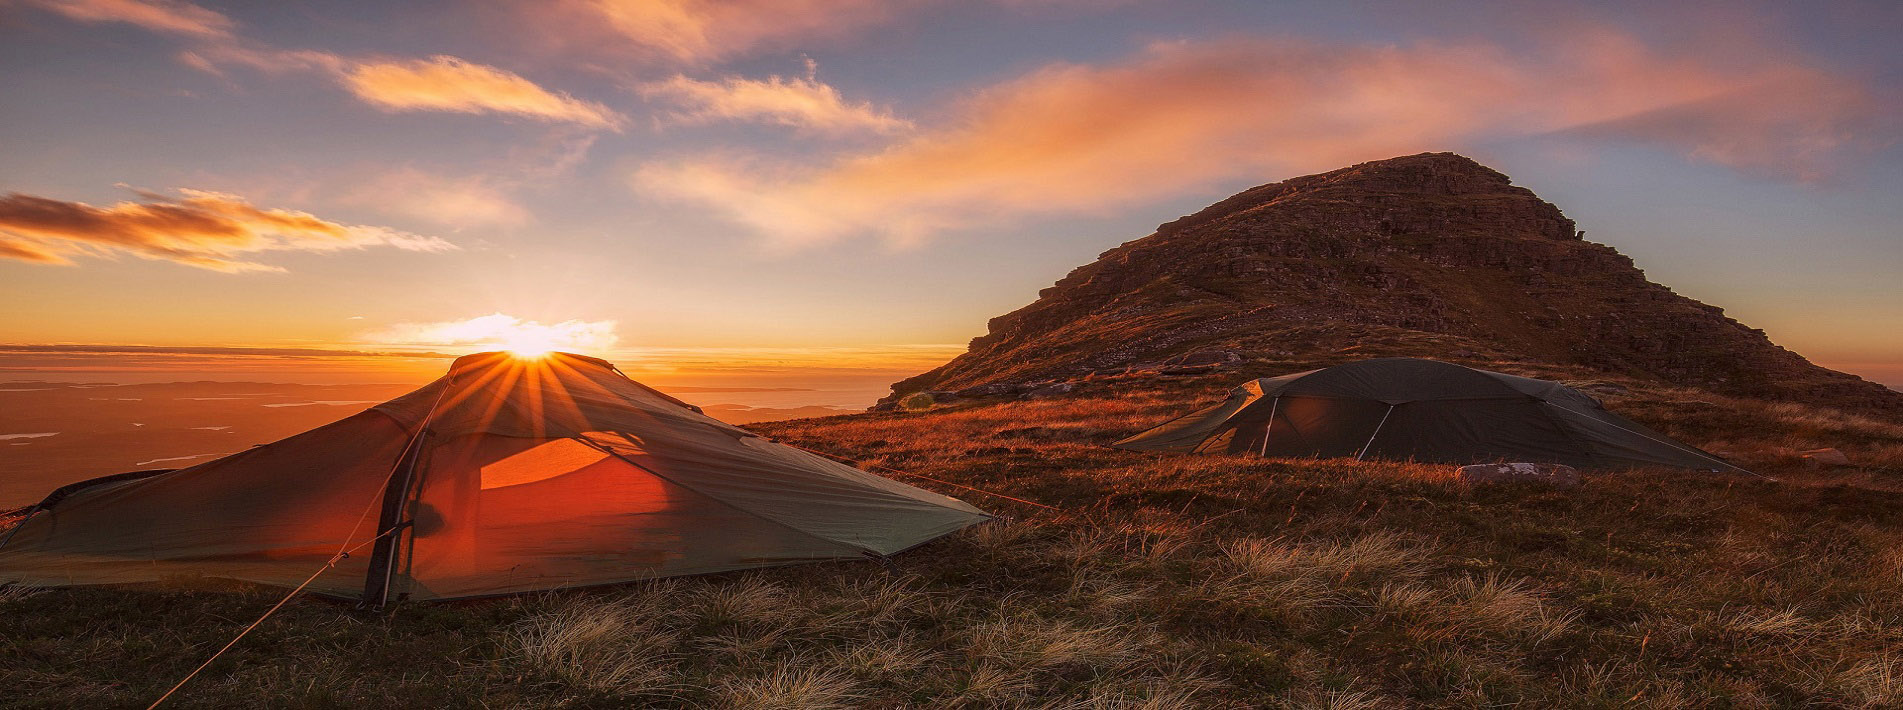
(815, 189)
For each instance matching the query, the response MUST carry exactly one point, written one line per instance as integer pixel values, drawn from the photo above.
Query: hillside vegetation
(1161, 581)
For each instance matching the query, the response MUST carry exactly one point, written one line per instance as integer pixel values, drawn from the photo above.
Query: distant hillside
(1431, 255)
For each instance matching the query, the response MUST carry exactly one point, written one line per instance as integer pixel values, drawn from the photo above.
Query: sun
(530, 343)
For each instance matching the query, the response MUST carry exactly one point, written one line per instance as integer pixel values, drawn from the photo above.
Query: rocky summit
(1431, 255)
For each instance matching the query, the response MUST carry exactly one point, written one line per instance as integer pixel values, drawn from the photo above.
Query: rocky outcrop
(1429, 255)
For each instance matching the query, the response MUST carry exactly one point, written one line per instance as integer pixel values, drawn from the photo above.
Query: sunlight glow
(530, 343)
(498, 331)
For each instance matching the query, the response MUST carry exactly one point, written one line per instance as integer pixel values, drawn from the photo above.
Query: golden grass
(1164, 582)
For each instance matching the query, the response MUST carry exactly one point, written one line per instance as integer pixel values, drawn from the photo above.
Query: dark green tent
(1411, 409)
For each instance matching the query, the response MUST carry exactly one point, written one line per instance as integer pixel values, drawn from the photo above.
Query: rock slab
(1552, 474)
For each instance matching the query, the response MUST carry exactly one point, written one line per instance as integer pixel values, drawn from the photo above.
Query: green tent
(506, 475)
(1410, 409)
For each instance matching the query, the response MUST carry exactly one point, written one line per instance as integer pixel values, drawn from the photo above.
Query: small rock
(943, 397)
(1051, 390)
(1599, 387)
(1553, 474)
(992, 389)
(1824, 458)
(1187, 370)
(1047, 433)
(1205, 358)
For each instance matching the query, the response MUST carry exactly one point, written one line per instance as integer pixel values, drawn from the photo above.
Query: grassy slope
(1167, 581)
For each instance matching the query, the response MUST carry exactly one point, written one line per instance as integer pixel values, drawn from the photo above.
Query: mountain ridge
(1429, 255)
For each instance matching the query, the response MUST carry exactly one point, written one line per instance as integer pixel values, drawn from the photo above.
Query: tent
(508, 474)
(1411, 409)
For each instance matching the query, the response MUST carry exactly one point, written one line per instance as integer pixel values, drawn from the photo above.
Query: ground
(1161, 581)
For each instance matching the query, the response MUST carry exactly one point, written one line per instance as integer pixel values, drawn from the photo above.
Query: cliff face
(1431, 255)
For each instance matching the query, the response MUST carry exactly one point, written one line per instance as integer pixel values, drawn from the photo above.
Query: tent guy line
(343, 553)
(299, 589)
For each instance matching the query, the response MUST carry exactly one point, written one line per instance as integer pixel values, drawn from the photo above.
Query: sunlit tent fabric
(1411, 409)
(506, 475)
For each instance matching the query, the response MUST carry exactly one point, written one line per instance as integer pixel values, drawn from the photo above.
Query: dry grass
(1166, 582)
(10, 593)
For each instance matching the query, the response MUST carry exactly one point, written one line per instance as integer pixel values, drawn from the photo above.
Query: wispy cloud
(499, 331)
(704, 30)
(444, 83)
(439, 83)
(450, 200)
(208, 230)
(1179, 117)
(804, 103)
(168, 16)
(487, 194)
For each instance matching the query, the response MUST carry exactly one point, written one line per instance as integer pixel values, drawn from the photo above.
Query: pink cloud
(171, 16)
(705, 30)
(804, 103)
(1180, 117)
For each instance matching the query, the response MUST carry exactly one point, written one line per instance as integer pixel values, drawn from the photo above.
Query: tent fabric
(1413, 409)
(528, 474)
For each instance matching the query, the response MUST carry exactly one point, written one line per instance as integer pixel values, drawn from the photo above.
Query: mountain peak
(1421, 176)
(1426, 255)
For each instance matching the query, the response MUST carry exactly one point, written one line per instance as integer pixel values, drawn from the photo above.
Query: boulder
(1552, 474)
(943, 397)
(918, 400)
(1824, 458)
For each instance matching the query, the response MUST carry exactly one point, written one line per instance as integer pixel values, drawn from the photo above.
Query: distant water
(177, 458)
(331, 402)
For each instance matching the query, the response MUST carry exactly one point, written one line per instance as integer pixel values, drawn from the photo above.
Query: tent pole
(396, 495)
(1273, 403)
(1377, 432)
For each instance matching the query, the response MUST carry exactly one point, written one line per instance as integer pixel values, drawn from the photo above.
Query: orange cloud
(800, 103)
(157, 15)
(204, 229)
(1180, 117)
(439, 83)
(443, 83)
(705, 30)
